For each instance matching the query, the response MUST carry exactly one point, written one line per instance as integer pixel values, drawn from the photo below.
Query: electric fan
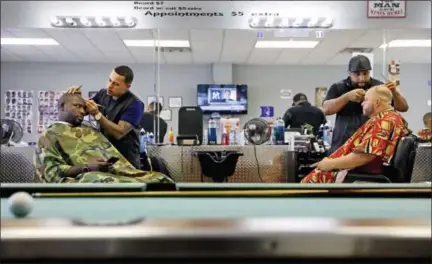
(11, 132)
(257, 132)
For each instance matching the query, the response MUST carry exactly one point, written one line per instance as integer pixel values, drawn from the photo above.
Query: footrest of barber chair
(218, 165)
(359, 177)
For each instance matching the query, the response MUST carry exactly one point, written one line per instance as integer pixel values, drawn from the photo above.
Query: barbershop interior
(224, 130)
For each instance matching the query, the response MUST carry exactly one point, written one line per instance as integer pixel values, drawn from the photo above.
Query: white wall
(264, 82)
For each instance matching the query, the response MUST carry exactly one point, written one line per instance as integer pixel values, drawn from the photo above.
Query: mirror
(191, 57)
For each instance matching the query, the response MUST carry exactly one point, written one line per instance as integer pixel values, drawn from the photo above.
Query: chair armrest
(352, 177)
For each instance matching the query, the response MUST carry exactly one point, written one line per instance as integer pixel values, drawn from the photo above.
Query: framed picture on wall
(320, 94)
(165, 114)
(175, 102)
(151, 99)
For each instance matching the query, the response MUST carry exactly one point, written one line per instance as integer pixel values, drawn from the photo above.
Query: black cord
(256, 158)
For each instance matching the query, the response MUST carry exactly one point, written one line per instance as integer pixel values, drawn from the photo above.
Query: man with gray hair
(373, 144)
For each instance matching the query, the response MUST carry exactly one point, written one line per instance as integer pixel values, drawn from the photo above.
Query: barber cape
(63, 146)
(425, 134)
(378, 136)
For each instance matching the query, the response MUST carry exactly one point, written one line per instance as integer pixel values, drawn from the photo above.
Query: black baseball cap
(359, 63)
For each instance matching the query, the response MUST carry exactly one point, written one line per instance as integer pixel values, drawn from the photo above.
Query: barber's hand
(74, 90)
(324, 165)
(391, 86)
(92, 107)
(100, 165)
(356, 95)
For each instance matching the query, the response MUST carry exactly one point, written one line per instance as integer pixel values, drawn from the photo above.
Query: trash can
(218, 165)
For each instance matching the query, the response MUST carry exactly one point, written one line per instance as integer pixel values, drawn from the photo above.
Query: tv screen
(225, 99)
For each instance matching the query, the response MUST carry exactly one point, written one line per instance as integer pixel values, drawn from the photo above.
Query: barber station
(139, 131)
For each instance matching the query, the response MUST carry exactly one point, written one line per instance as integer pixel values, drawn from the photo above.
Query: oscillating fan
(257, 132)
(11, 132)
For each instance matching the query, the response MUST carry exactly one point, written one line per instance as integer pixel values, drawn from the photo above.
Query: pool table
(296, 221)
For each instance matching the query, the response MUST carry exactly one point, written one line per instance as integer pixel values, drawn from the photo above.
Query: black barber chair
(218, 165)
(400, 168)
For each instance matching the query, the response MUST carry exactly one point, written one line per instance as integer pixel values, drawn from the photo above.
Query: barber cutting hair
(345, 97)
(118, 112)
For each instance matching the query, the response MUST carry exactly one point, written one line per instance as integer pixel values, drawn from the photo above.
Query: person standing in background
(345, 97)
(303, 113)
(149, 121)
(118, 112)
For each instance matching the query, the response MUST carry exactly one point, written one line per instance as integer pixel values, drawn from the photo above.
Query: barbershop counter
(271, 163)
(276, 164)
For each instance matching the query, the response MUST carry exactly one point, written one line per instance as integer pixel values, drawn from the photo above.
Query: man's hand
(324, 165)
(101, 165)
(391, 86)
(356, 95)
(92, 107)
(74, 90)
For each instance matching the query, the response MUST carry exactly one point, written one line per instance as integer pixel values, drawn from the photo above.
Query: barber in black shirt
(345, 97)
(303, 113)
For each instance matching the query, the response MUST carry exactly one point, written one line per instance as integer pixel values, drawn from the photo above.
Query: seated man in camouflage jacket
(70, 152)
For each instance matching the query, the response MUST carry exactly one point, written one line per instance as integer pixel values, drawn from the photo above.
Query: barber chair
(190, 125)
(219, 166)
(309, 150)
(400, 168)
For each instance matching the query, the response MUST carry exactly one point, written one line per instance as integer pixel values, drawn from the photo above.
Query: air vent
(175, 49)
(353, 50)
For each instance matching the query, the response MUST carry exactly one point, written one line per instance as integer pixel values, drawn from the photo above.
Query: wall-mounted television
(225, 99)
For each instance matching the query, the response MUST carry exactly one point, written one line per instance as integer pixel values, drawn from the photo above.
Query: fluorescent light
(407, 43)
(287, 44)
(28, 41)
(161, 43)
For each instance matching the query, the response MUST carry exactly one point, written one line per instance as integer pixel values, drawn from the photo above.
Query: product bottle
(143, 140)
(171, 136)
(211, 134)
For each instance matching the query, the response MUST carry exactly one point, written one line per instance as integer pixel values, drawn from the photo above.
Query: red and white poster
(386, 9)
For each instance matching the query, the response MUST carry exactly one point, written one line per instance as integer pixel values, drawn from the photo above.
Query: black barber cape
(350, 118)
(304, 113)
(128, 146)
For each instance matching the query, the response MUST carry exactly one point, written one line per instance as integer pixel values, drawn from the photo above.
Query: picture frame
(175, 102)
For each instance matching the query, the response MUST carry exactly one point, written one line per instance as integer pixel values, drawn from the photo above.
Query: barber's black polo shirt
(350, 118)
(302, 114)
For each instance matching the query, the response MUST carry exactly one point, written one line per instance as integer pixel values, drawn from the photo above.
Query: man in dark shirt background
(345, 97)
(303, 113)
(151, 120)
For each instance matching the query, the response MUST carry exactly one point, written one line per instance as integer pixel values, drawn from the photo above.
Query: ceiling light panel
(407, 43)
(286, 44)
(28, 41)
(156, 43)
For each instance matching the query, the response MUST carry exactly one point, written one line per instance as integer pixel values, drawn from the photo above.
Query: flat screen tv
(225, 99)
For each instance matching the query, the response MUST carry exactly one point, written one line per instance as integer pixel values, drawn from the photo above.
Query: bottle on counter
(171, 136)
(280, 131)
(151, 138)
(143, 141)
(212, 132)
(234, 134)
(273, 133)
(226, 133)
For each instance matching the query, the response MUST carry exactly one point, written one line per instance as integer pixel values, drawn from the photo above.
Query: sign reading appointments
(176, 9)
(386, 9)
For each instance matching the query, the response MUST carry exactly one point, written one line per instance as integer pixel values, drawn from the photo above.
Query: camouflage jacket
(63, 146)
